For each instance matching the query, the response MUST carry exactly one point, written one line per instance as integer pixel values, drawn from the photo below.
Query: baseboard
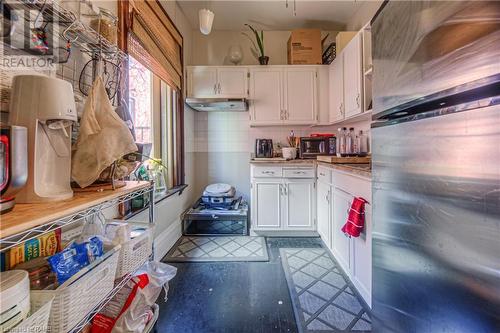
(284, 233)
(167, 239)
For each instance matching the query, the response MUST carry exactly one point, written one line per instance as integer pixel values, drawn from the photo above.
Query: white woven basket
(38, 321)
(136, 251)
(74, 302)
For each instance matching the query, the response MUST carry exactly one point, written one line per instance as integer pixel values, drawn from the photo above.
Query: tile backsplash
(231, 132)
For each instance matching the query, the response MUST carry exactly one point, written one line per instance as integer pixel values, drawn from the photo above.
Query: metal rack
(19, 238)
(72, 28)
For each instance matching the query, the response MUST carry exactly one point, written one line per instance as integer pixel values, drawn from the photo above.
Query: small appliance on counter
(13, 164)
(263, 148)
(317, 145)
(46, 107)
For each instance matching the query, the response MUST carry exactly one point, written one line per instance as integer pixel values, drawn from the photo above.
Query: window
(140, 100)
(154, 110)
(147, 33)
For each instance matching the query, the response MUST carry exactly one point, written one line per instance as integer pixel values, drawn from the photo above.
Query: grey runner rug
(225, 248)
(323, 299)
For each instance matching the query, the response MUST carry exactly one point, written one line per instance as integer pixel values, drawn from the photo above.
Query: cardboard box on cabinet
(304, 47)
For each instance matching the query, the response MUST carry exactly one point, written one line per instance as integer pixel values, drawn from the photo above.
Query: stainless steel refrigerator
(436, 167)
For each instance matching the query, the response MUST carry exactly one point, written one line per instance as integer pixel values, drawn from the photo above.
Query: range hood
(218, 104)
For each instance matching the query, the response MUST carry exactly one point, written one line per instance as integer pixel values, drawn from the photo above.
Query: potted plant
(258, 51)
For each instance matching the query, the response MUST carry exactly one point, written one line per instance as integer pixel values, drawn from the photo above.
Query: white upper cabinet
(224, 82)
(283, 95)
(202, 82)
(232, 82)
(353, 98)
(266, 96)
(300, 95)
(337, 89)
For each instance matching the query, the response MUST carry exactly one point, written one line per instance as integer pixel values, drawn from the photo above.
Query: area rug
(222, 248)
(324, 300)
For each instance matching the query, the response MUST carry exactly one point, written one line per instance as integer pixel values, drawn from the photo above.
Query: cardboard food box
(304, 47)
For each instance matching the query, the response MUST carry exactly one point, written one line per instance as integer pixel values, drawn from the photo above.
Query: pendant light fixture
(206, 17)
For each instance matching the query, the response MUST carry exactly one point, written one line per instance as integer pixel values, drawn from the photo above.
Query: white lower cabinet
(335, 192)
(341, 245)
(283, 199)
(323, 212)
(299, 204)
(266, 204)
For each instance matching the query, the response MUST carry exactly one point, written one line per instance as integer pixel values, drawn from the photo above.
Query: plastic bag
(133, 319)
(159, 274)
(131, 309)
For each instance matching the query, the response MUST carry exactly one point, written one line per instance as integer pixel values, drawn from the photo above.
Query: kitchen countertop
(281, 161)
(363, 170)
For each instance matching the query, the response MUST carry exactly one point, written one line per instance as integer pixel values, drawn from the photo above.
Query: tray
(345, 160)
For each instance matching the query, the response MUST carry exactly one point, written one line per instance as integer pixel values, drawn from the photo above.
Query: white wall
(213, 49)
(363, 15)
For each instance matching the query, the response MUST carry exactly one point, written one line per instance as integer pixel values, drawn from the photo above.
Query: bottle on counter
(342, 141)
(363, 144)
(350, 139)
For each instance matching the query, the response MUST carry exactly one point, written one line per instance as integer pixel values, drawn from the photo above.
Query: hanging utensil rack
(71, 27)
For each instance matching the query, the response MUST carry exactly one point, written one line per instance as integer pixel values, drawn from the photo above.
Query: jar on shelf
(106, 25)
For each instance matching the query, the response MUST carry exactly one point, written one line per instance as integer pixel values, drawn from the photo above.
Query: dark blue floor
(232, 297)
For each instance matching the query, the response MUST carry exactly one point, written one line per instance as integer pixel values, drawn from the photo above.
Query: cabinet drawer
(298, 173)
(324, 175)
(267, 171)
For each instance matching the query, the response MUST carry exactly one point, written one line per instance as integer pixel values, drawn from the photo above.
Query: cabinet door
(323, 212)
(202, 82)
(266, 96)
(337, 89)
(266, 205)
(362, 248)
(299, 204)
(232, 82)
(341, 244)
(300, 96)
(353, 77)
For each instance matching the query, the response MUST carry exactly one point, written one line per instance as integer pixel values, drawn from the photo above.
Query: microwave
(311, 147)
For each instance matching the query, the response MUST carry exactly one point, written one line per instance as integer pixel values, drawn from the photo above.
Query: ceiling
(274, 15)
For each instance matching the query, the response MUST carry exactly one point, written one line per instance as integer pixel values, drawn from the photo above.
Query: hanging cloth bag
(103, 138)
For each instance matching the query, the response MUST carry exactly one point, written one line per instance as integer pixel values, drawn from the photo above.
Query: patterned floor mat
(226, 248)
(323, 299)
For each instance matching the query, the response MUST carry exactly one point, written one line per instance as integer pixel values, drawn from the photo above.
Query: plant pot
(263, 60)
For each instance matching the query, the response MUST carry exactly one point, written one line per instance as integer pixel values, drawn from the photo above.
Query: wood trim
(180, 158)
(123, 24)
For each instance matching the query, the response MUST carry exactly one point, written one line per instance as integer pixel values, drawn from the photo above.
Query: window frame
(125, 18)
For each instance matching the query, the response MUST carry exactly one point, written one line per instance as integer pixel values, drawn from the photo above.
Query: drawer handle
(268, 172)
(322, 174)
(298, 172)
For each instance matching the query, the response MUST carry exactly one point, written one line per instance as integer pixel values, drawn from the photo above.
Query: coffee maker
(46, 107)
